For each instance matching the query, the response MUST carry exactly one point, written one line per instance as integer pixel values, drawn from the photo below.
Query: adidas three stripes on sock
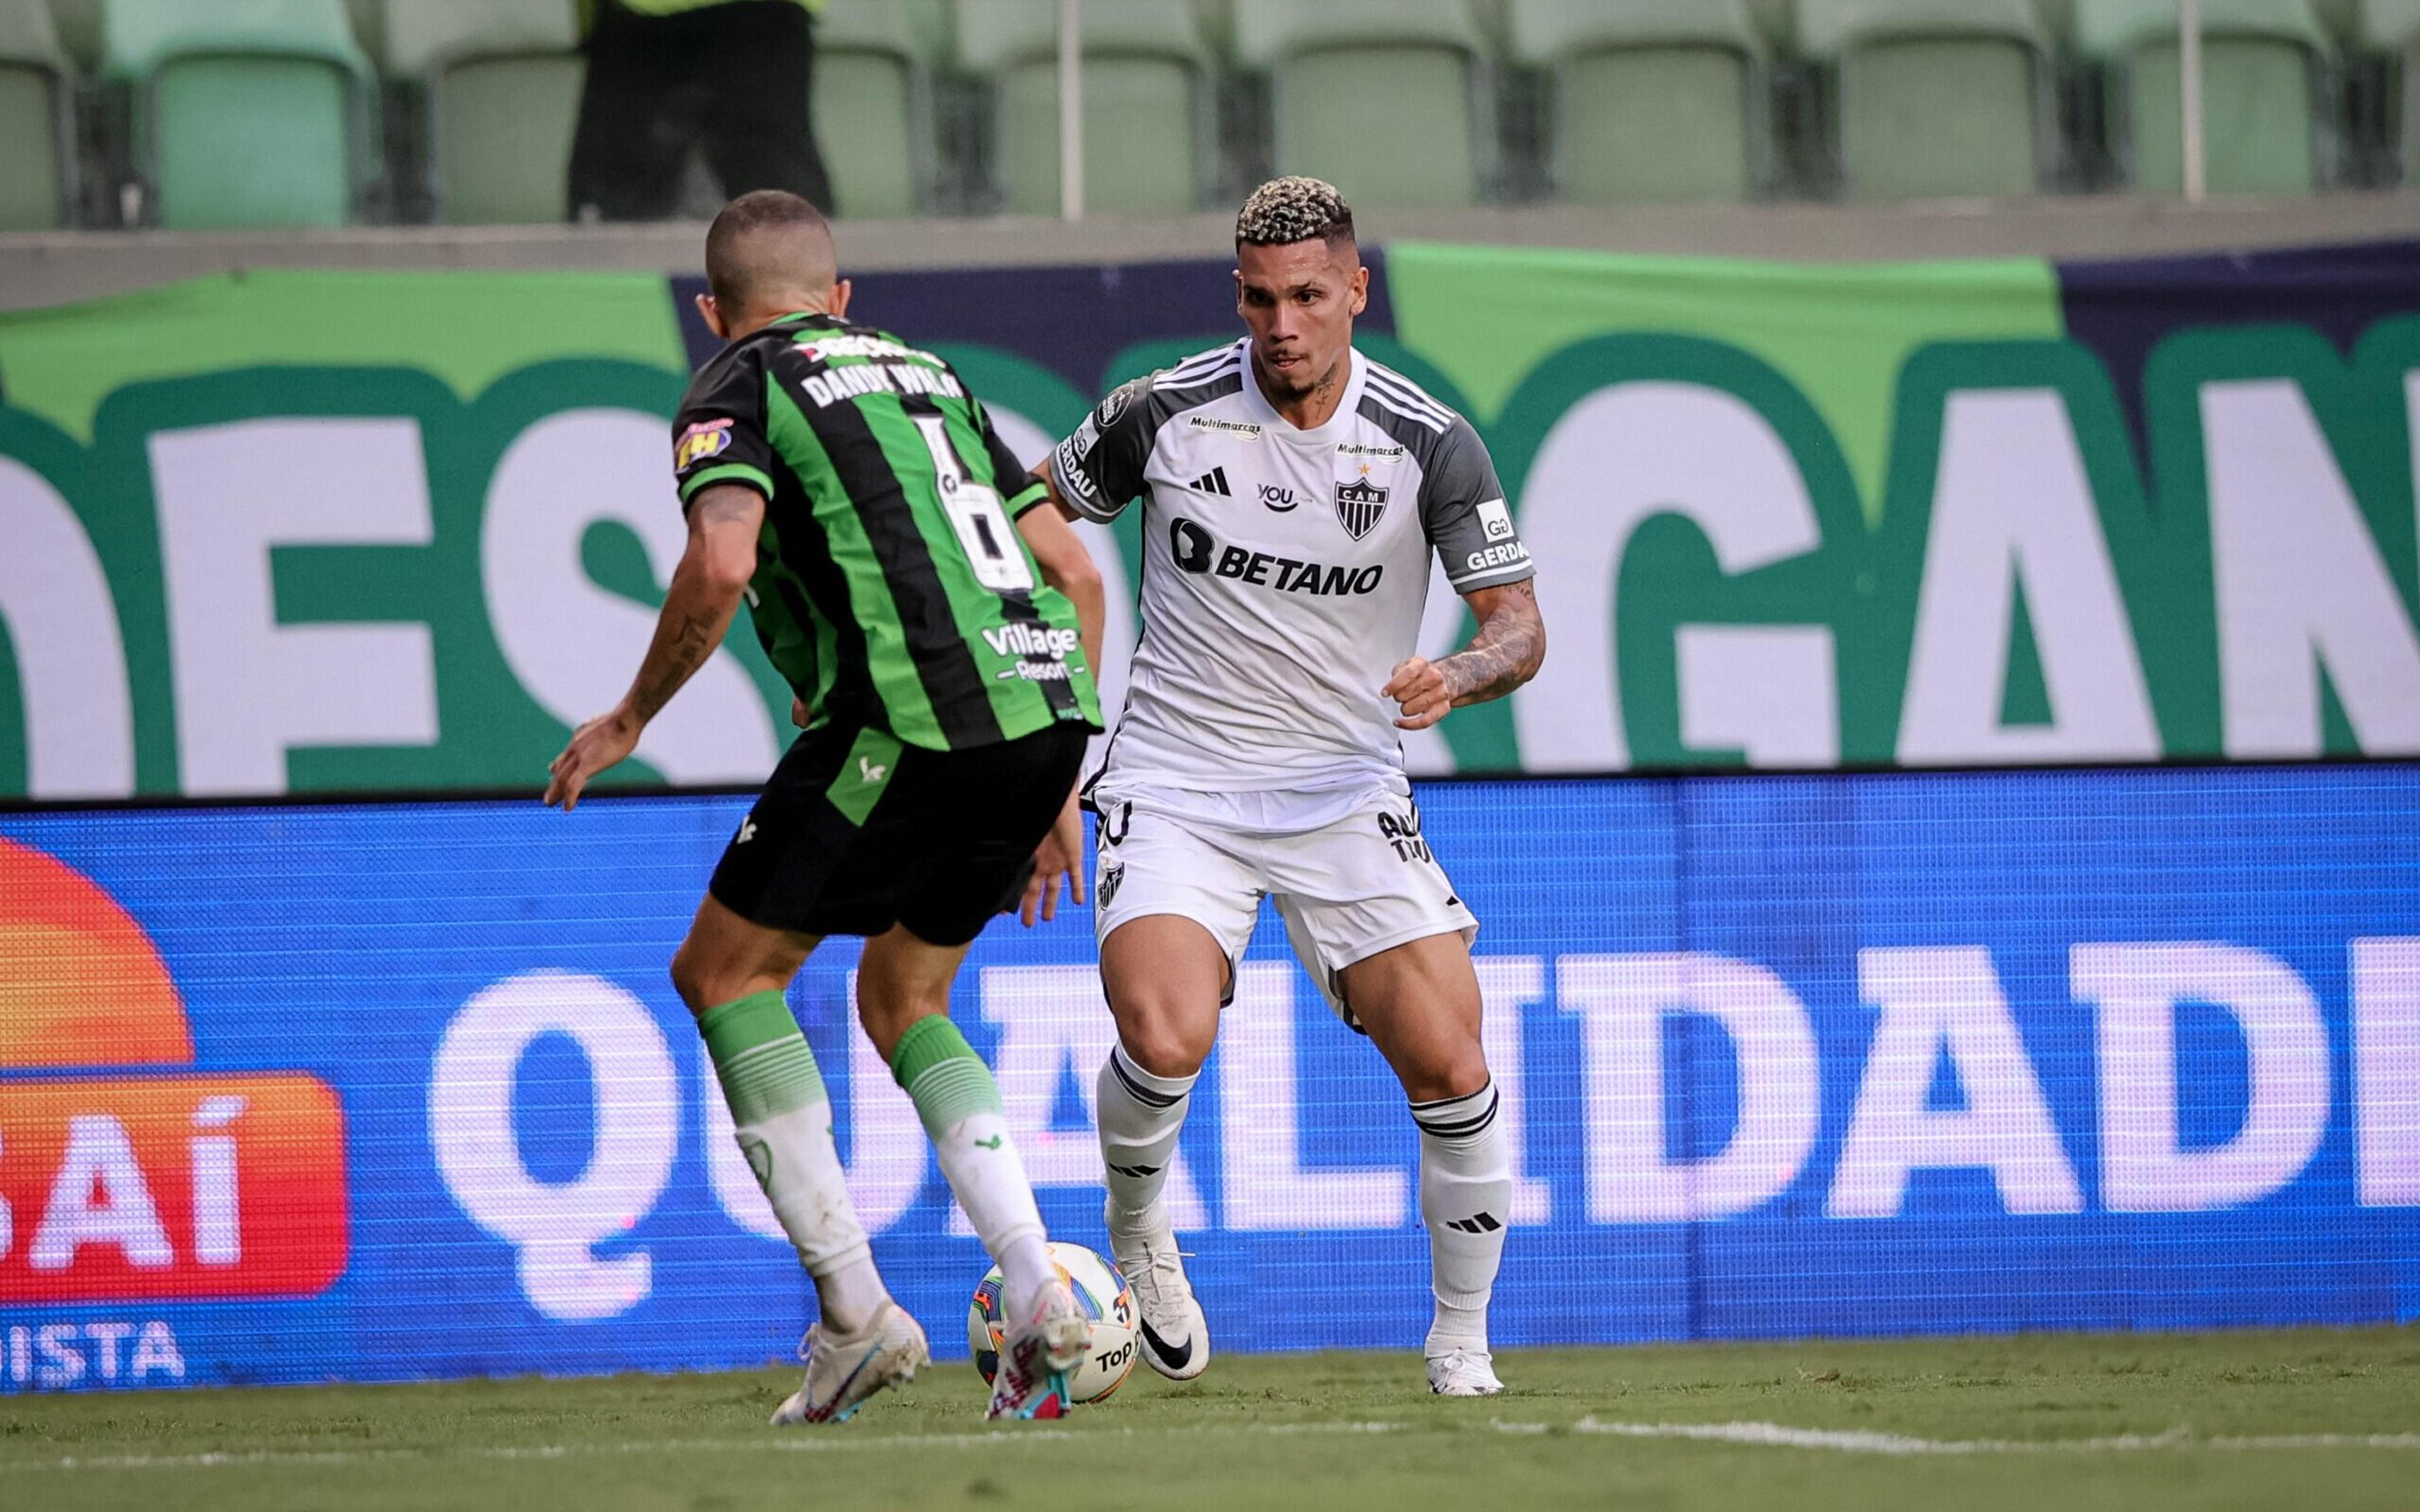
(1466, 1200)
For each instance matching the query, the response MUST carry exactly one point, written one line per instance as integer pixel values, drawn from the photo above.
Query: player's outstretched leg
(1420, 1004)
(903, 991)
(782, 1116)
(1165, 975)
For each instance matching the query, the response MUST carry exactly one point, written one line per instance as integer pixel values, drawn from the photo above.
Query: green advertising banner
(387, 531)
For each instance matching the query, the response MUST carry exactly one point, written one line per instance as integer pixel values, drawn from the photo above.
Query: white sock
(959, 1105)
(782, 1119)
(1139, 1117)
(988, 1178)
(849, 1298)
(1466, 1200)
(799, 1167)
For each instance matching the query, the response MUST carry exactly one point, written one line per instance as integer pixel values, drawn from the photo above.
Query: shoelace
(1163, 1265)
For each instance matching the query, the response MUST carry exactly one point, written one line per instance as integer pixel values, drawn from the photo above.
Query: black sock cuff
(1130, 1077)
(1457, 1117)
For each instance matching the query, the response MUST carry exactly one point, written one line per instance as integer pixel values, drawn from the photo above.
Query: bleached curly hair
(1293, 208)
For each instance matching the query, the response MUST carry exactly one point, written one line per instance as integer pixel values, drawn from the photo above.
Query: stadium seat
(1654, 100)
(872, 109)
(1936, 98)
(37, 119)
(503, 78)
(2392, 28)
(1150, 122)
(248, 112)
(1388, 99)
(2261, 70)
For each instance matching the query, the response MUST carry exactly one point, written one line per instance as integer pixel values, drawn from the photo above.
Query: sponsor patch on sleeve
(1496, 519)
(1068, 468)
(1110, 407)
(708, 438)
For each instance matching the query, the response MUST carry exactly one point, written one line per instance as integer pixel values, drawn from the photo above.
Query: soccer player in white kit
(1292, 492)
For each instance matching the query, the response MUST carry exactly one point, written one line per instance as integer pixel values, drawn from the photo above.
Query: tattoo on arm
(702, 599)
(1507, 651)
(681, 648)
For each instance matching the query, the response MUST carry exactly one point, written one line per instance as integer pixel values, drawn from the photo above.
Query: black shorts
(856, 832)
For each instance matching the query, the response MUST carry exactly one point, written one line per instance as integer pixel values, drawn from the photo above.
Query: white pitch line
(812, 1442)
(1781, 1435)
(1769, 1435)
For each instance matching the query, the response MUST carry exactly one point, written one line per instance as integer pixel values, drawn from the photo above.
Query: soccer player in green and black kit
(939, 638)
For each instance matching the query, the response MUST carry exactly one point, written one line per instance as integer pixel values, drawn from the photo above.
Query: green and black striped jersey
(892, 590)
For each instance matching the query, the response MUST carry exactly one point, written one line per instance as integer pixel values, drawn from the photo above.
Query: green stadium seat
(503, 78)
(872, 109)
(1150, 122)
(2262, 64)
(37, 119)
(1654, 100)
(2392, 27)
(1388, 99)
(1937, 99)
(248, 112)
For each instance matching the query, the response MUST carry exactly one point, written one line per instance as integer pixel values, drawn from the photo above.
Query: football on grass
(1101, 1296)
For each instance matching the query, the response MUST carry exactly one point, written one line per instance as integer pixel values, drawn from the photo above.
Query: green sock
(760, 1058)
(942, 1076)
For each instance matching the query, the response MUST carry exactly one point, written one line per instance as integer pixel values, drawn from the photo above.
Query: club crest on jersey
(706, 438)
(1358, 504)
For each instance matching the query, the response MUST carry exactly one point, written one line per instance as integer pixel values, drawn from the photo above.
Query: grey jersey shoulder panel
(1100, 467)
(1462, 501)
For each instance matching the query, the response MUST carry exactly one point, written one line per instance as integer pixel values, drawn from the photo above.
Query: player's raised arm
(724, 520)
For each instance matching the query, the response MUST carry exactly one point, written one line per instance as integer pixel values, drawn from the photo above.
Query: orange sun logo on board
(140, 1177)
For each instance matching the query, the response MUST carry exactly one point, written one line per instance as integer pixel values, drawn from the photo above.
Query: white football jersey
(1284, 570)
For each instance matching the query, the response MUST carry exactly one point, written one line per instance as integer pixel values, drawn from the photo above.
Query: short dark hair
(767, 238)
(1293, 208)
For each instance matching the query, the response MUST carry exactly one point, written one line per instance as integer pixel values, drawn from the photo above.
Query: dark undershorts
(857, 831)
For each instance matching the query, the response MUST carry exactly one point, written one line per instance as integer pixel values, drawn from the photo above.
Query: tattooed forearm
(702, 599)
(681, 645)
(1507, 651)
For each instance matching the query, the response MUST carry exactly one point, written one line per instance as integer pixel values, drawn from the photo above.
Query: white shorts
(1347, 889)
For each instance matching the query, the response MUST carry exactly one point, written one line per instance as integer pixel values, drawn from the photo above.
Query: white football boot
(1464, 1373)
(843, 1369)
(1032, 1377)
(1175, 1336)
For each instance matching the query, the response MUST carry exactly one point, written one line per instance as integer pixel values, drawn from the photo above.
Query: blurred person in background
(670, 77)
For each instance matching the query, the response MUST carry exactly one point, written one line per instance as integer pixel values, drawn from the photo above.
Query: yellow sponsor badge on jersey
(700, 441)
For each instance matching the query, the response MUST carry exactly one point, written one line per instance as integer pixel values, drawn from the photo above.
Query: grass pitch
(2306, 1419)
